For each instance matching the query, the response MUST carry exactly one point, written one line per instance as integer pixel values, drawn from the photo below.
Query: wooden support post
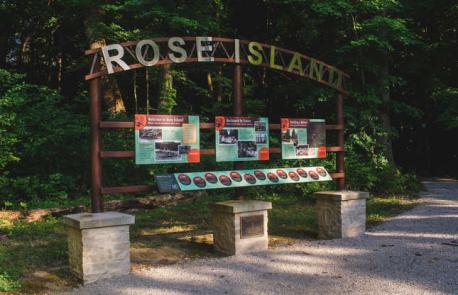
(237, 104)
(95, 93)
(237, 109)
(340, 162)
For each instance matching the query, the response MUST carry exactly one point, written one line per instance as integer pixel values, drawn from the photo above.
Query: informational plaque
(241, 138)
(161, 139)
(303, 138)
(166, 183)
(251, 226)
(189, 181)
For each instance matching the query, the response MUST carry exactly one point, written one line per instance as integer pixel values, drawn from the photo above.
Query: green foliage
(446, 99)
(397, 49)
(8, 80)
(8, 283)
(42, 146)
(368, 170)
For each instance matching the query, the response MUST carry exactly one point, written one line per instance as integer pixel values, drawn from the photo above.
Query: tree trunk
(210, 83)
(219, 86)
(23, 56)
(386, 139)
(167, 92)
(111, 93)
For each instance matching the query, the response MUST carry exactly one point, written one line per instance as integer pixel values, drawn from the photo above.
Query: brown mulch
(116, 205)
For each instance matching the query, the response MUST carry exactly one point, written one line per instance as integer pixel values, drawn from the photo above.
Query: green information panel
(241, 138)
(303, 138)
(161, 139)
(240, 178)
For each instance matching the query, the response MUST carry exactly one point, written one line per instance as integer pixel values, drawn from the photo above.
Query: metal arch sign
(158, 51)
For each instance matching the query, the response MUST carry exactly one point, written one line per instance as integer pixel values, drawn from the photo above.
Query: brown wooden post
(340, 162)
(237, 109)
(95, 93)
(237, 104)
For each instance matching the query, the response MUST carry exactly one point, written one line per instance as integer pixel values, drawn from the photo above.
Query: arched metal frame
(224, 50)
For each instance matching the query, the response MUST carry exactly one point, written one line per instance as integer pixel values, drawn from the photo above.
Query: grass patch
(33, 256)
(58, 202)
(379, 208)
(28, 247)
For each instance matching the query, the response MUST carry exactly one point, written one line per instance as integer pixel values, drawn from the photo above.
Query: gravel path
(404, 255)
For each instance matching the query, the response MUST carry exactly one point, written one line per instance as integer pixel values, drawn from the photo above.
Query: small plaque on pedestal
(251, 226)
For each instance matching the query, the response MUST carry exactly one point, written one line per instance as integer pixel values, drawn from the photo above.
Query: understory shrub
(43, 143)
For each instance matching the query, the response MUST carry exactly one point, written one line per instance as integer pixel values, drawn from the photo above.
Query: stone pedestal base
(341, 214)
(240, 226)
(98, 244)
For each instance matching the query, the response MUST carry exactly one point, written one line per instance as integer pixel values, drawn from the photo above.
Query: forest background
(401, 118)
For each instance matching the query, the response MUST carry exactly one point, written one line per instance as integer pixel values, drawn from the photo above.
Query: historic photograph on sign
(167, 150)
(260, 126)
(261, 138)
(149, 134)
(241, 138)
(247, 149)
(290, 136)
(302, 150)
(316, 135)
(184, 149)
(303, 138)
(163, 139)
(228, 136)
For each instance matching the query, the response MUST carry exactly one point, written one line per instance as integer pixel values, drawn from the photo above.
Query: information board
(241, 138)
(240, 178)
(161, 139)
(303, 138)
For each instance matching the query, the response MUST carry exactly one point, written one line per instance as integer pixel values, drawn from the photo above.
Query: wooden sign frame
(203, 49)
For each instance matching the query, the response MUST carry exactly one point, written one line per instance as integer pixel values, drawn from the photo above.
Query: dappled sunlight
(320, 255)
(420, 235)
(271, 271)
(422, 217)
(398, 256)
(166, 230)
(201, 239)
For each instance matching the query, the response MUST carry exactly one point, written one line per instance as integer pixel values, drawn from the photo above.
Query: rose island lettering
(150, 52)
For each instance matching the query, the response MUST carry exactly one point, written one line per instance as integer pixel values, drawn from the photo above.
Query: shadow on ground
(405, 255)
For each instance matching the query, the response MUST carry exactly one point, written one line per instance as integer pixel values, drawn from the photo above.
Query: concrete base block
(240, 226)
(341, 214)
(98, 244)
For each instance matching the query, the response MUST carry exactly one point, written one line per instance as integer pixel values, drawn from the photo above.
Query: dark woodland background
(401, 121)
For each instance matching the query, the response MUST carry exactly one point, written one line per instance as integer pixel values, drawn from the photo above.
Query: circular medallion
(293, 176)
(210, 177)
(259, 175)
(236, 176)
(321, 172)
(302, 172)
(184, 179)
(282, 174)
(272, 177)
(313, 175)
(225, 180)
(199, 181)
(249, 178)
